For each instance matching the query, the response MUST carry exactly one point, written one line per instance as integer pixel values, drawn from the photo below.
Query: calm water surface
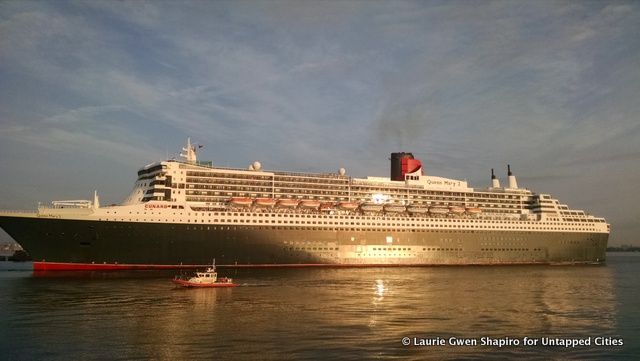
(323, 313)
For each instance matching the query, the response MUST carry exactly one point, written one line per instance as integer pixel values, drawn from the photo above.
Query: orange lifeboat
(348, 206)
(326, 205)
(371, 207)
(240, 201)
(310, 204)
(288, 203)
(265, 202)
(393, 208)
(438, 210)
(417, 209)
(474, 210)
(456, 209)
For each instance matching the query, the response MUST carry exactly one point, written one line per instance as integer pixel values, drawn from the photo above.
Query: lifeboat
(456, 210)
(348, 206)
(417, 209)
(438, 210)
(288, 203)
(394, 208)
(474, 210)
(371, 207)
(265, 202)
(326, 206)
(240, 201)
(310, 204)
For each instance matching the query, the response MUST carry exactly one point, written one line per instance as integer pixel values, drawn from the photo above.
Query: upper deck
(204, 186)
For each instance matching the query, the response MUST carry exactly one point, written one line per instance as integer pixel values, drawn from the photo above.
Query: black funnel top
(396, 165)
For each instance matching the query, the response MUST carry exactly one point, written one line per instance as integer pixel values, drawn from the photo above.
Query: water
(323, 313)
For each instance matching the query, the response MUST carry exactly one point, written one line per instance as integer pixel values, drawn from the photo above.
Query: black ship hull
(66, 243)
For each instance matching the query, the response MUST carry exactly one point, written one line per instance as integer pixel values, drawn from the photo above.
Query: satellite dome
(257, 165)
(342, 171)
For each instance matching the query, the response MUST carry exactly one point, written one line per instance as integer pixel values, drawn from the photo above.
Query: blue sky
(92, 90)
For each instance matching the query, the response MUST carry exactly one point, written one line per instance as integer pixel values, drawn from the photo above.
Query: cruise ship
(183, 212)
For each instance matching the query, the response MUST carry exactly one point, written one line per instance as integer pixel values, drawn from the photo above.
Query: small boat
(417, 209)
(265, 202)
(327, 206)
(393, 208)
(208, 278)
(310, 204)
(348, 206)
(371, 207)
(240, 201)
(456, 209)
(474, 210)
(288, 203)
(438, 210)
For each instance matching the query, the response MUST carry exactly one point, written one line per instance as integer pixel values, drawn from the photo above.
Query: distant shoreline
(16, 266)
(623, 249)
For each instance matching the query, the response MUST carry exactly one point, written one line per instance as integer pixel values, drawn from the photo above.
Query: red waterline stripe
(65, 266)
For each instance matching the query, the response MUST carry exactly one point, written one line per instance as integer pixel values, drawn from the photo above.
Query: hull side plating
(175, 244)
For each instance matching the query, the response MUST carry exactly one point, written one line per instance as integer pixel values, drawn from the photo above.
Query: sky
(90, 91)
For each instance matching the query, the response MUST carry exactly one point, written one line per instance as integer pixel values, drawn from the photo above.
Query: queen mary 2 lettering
(182, 213)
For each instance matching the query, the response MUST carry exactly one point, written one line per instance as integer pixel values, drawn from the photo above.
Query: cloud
(523, 78)
(549, 87)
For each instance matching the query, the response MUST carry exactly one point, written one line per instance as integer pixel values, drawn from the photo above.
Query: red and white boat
(208, 278)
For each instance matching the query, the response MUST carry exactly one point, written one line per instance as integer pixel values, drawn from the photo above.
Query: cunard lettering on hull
(183, 213)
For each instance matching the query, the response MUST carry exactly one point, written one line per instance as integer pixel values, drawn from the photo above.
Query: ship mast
(190, 155)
